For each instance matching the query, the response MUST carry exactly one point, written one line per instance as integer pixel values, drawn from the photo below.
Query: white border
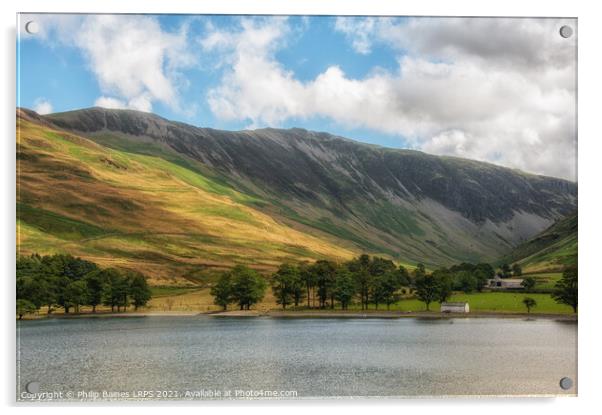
(590, 152)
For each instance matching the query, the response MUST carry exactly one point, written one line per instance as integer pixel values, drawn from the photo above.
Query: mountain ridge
(211, 147)
(56, 118)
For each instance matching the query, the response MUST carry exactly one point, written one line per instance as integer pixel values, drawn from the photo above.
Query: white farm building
(501, 283)
(455, 308)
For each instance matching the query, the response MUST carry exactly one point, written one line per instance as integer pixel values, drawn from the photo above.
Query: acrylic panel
(294, 207)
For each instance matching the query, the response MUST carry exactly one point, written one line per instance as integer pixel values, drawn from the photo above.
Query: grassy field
(201, 301)
(498, 302)
(511, 303)
(494, 302)
(190, 299)
(545, 281)
(170, 291)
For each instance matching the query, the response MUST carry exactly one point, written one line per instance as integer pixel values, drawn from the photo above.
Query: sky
(501, 90)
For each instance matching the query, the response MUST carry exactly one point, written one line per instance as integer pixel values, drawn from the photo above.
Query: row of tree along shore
(69, 283)
(369, 281)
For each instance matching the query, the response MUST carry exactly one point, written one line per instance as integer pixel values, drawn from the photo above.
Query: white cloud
(359, 31)
(139, 103)
(132, 57)
(42, 106)
(109, 102)
(500, 90)
(507, 42)
(494, 90)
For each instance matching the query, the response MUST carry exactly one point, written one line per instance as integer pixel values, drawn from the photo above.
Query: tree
(481, 279)
(25, 307)
(529, 303)
(71, 282)
(469, 277)
(34, 283)
(285, 283)
(403, 276)
(377, 290)
(419, 271)
(138, 289)
(427, 289)
(466, 282)
(566, 289)
(364, 261)
(60, 271)
(390, 285)
(445, 284)
(222, 291)
(528, 283)
(380, 266)
(115, 290)
(248, 286)
(76, 294)
(359, 268)
(298, 286)
(344, 287)
(325, 275)
(77, 268)
(309, 278)
(517, 271)
(123, 290)
(486, 269)
(383, 283)
(32, 289)
(95, 282)
(61, 282)
(506, 271)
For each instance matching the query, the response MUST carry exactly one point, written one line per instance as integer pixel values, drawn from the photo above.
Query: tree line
(69, 282)
(368, 280)
(365, 280)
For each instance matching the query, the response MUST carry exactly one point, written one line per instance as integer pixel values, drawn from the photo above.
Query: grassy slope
(386, 230)
(342, 197)
(551, 250)
(143, 211)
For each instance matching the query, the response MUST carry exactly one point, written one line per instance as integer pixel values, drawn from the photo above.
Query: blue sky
(438, 85)
(67, 83)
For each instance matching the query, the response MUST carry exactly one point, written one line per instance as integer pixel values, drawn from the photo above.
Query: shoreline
(388, 315)
(372, 314)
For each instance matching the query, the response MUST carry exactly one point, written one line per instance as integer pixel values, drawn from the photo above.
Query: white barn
(455, 308)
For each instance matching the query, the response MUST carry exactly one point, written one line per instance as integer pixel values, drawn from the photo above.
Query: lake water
(210, 357)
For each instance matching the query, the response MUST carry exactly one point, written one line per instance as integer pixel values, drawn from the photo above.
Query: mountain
(330, 196)
(549, 251)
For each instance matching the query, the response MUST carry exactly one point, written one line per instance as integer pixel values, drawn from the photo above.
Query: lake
(204, 357)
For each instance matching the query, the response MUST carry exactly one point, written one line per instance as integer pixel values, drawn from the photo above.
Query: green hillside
(159, 215)
(550, 251)
(405, 204)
